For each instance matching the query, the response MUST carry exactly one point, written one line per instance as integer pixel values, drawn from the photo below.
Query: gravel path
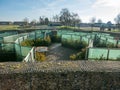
(57, 52)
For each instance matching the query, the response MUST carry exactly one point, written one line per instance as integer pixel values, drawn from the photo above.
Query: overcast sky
(13, 10)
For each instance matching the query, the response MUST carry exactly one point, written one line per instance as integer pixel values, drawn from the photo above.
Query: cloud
(55, 3)
(107, 3)
(106, 9)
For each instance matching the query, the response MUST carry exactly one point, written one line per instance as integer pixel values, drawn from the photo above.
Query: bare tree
(117, 20)
(26, 20)
(46, 20)
(33, 22)
(109, 25)
(56, 18)
(92, 21)
(75, 19)
(41, 20)
(99, 21)
(65, 17)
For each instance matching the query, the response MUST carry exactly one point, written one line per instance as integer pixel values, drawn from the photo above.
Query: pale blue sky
(12, 10)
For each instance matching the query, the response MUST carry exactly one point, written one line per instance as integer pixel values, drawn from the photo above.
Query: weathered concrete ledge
(60, 75)
(60, 66)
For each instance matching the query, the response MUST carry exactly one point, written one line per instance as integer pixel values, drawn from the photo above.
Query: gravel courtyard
(58, 52)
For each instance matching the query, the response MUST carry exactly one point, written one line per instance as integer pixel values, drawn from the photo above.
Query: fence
(61, 32)
(25, 52)
(8, 47)
(7, 50)
(11, 43)
(1, 39)
(69, 37)
(5, 34)
(21, 51)
(72, 38)
(76, 39)
(103, 54)
(119, 43)
(12, 38)
(8, 33)
(108, 40)
(114, 54)
(30, 56)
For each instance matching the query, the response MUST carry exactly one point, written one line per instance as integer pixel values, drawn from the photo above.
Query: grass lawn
(81, 28)
(116, 30)
(17, 27)
(8, 27)
(89, 28)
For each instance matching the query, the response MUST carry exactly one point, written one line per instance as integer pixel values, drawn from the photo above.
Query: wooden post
(86, 54)
(108, 54)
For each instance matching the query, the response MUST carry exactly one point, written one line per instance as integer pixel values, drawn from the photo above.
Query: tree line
(67, 18)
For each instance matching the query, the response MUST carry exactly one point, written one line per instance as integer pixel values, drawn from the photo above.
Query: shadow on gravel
(57, 52)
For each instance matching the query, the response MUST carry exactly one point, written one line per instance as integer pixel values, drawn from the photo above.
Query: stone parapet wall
(60, 75)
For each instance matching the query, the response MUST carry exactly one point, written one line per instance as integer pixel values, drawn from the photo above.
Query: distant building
(97, 24)
(20, 23)
(107, 26)
(5, 23)
(84, 25)
(55, 24)
(102, 26)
